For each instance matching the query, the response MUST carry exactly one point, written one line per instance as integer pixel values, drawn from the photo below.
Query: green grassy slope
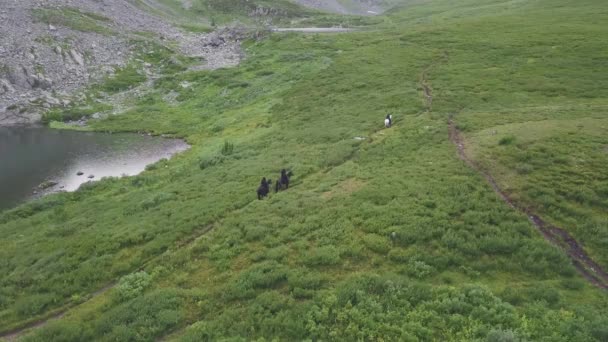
(207, 13)
(387, 238)
(547, 143)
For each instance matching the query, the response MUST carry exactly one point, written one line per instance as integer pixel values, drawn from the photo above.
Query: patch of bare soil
(345, 187)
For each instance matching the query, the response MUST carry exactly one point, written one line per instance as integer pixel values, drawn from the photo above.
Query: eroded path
(15, 334)
(559, 237)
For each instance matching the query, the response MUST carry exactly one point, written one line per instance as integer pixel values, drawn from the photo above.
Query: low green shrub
(209, 161)
(264, 275)
(61, 330)
(502, 336)
(322, 256)
(508, 140)
(156, 200)
(419, 269)
(143, 318)
(34, 304)
(377, 243)
(132, 286)
(227, 148)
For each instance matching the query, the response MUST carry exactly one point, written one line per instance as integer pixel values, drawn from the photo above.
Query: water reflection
(30, 156)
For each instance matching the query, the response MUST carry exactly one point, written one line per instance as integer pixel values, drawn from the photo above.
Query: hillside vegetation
(384, 234)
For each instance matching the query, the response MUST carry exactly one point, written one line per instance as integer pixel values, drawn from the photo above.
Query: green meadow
(384, 234)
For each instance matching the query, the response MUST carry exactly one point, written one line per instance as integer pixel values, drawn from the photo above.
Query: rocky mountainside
(50, 49)
(361, 7)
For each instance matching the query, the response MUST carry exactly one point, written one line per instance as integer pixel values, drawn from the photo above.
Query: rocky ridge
(44, 65)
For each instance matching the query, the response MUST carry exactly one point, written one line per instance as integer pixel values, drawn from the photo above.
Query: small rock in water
(79, 173)
(47, 184)
(91, 176)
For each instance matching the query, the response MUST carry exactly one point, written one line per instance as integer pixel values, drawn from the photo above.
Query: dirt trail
(559, 237)
(13, 335)
(426, 88)
(424, 81)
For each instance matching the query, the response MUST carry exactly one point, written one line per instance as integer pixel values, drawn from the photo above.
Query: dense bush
(132, 285)
(61, 331)
(376, 243)
(227, 148)
(322, 256)
(209, 161)
(508, 140)
(502, 336)
(143, 318)
(364, 309)
(264, 275)
(34, 304)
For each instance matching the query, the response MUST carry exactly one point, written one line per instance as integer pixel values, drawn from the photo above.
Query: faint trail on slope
(559, 237)
(424, 82)
(14, 334)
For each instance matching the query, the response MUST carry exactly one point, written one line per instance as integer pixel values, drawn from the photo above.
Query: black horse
(264, 188)
(283, 182)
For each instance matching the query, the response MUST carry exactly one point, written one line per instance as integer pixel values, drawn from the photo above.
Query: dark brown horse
(283, 182)
(264, 188)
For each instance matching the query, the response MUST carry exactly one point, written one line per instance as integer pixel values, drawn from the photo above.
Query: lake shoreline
(47, 160)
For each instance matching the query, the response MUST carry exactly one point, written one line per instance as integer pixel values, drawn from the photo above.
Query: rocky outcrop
(77, 57)
(6, 87)
(43, 64)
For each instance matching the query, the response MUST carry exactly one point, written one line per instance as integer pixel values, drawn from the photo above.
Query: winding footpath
(559, 237)
(14, 334)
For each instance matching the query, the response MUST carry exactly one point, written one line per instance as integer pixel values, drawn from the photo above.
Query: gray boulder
(77, 57)
(19, 77)
(5, 87)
